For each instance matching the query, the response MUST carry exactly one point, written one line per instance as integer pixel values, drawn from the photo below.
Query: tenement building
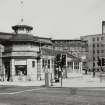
(96, 48)
(26, 57)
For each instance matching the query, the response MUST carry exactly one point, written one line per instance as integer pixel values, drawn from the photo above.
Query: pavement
(83, 81)
(25, 83)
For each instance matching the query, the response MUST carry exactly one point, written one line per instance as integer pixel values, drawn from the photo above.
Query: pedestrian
(93, 72)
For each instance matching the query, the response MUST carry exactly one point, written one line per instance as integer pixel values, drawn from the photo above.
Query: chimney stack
(103, 27)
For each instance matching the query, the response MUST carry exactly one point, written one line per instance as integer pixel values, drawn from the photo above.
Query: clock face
(83, 57)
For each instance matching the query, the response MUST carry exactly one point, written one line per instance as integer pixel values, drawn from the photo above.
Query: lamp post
(39, 62)
(93, 67)
(40, 58)
(61, 77)
(1, 68)
(52, 65)
(46, 75)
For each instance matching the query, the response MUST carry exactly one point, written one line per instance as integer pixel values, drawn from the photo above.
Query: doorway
(21, 70)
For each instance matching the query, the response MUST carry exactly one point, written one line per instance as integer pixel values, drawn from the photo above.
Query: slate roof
(29, 38)
(5, 37)
(23, 37)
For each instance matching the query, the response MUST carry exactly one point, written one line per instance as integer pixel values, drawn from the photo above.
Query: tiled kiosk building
(21, 57)
(26, 57)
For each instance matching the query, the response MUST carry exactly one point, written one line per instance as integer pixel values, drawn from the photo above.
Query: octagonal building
(21, 58)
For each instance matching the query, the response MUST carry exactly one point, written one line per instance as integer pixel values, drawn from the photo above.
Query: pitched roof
(13, 37)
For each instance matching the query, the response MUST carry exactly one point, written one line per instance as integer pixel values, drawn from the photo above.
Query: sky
(58, 19)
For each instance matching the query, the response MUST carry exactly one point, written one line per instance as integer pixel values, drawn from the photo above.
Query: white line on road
(21, 91)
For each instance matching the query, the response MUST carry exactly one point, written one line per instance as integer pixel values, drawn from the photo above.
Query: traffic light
(63, 62)
(58, 60)
(56, 64)
(103, 61)
(99, 62)
(58, 57)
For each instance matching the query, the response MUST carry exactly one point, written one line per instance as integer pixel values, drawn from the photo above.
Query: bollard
(47, 79)
(51, 80)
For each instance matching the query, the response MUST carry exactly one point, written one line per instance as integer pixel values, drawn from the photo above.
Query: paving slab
(84, 81)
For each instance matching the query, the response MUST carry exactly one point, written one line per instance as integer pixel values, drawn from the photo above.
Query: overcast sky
(54, 18)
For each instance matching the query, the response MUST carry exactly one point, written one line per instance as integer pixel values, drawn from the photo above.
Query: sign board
(20, 62)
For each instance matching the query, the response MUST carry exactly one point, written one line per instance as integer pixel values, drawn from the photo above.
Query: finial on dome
(20, 28)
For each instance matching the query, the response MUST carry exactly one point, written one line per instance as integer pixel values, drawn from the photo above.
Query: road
(12, 95)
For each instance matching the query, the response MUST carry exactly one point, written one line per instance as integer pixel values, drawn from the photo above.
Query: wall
(31, 71)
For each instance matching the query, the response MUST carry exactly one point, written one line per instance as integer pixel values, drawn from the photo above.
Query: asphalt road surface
(12, 95)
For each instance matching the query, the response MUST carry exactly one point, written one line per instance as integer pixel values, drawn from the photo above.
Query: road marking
(21, 91)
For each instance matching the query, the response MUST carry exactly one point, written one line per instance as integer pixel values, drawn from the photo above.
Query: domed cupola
(22, 29)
